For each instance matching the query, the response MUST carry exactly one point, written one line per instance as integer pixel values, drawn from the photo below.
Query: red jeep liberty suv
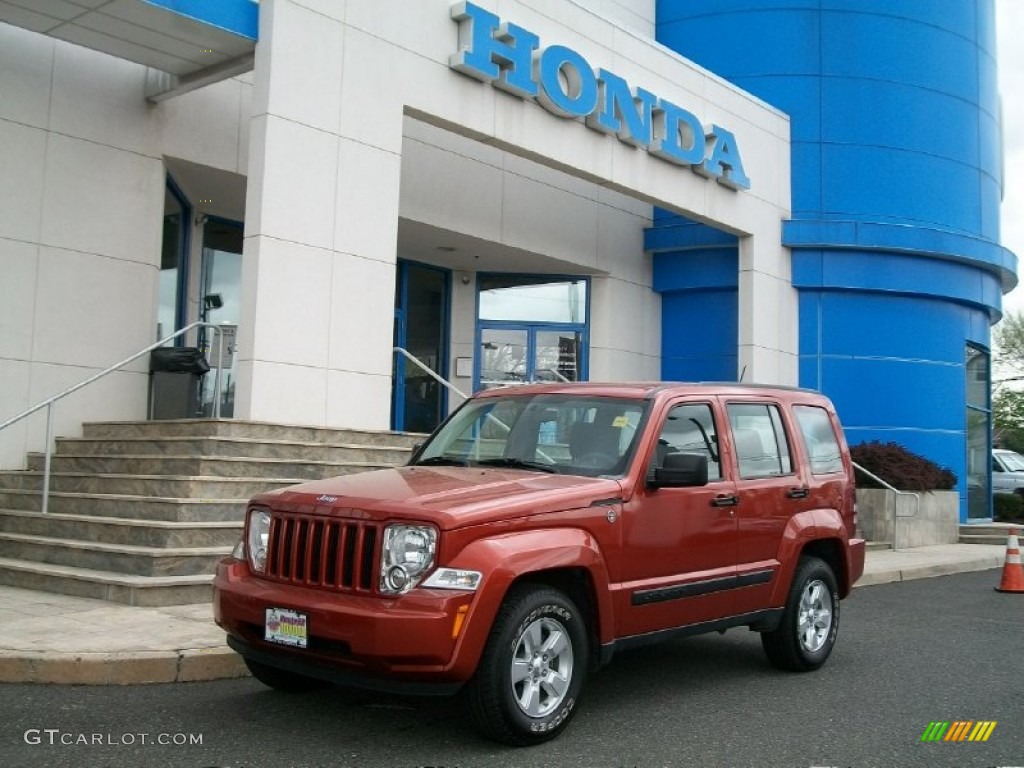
(542, 528)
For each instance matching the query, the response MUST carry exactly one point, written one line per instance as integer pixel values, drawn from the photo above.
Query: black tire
(538, 705)
(282, 680)
(807, 632)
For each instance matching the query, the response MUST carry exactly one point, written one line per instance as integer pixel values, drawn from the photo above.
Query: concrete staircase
(140, 512)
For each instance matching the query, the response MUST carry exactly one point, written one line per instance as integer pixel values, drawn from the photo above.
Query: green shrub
(900, 467)
(1007, 507)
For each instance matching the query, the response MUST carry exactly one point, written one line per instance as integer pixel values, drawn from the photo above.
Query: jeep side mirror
(682, 470)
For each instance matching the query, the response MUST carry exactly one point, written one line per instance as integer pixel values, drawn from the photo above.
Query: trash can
(175, 382)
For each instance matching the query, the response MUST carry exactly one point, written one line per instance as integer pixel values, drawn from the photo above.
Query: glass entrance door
(219, 303)
(419, 402)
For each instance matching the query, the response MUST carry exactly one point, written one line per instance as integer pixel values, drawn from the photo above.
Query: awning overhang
(193, 41)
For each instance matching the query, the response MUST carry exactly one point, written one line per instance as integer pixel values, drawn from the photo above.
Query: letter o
(577, 96)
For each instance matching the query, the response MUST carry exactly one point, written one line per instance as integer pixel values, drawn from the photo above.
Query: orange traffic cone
(1013, 571)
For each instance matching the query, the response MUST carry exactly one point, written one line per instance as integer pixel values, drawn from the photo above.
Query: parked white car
(1007, 472)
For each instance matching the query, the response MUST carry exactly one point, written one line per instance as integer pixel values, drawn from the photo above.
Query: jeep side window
(689, 428)
(819, 439)
(762, 448)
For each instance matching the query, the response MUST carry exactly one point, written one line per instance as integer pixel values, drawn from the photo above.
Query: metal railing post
(46, 459)
(895, 498)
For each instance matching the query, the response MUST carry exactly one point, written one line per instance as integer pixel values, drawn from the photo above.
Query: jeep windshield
(565, 434)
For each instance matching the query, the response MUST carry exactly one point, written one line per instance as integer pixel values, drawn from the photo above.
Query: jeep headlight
(406, 554)
(256, 537)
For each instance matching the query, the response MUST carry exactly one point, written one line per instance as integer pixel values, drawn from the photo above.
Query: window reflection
(533, 299)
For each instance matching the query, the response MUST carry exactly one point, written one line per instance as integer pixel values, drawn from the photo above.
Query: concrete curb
(122, 668)
(889, 576)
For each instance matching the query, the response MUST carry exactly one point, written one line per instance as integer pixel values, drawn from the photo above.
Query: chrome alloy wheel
(541, 667)
(814, 619)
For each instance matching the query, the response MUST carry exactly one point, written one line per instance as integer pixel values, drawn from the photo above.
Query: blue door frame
(400, 365)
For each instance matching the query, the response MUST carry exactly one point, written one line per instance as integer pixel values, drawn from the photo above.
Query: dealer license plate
(286, 627)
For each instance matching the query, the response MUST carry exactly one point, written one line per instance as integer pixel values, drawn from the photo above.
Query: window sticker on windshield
(620, 422)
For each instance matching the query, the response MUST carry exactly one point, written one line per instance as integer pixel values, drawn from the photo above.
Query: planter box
(935, 521)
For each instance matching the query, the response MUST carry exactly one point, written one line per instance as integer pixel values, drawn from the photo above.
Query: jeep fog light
(407, 553)
(257, 536)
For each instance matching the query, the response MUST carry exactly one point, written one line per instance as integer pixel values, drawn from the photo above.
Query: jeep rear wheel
(530, 676)
(282, 680)
(807, 632)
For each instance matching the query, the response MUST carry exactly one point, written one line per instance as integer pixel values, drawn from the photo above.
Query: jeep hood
(449, 497)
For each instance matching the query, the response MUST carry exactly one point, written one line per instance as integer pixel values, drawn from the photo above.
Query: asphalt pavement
(910, 655)
(52, 638)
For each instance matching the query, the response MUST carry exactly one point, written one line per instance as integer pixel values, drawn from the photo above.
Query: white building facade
(469, 182)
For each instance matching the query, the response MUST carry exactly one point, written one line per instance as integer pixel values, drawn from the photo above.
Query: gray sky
(1010, 34)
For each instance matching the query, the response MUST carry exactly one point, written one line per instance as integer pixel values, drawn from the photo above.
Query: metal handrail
(897, 492)
(48, 404)
(430, 371)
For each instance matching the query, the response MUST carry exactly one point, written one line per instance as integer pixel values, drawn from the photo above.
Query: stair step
(172, 486)
(988, 533)
(106, 585)
(981, 538)
(252, 429)
(115, 558)
(199, 466)
(127, 505)
(248, 447)
(115, 530)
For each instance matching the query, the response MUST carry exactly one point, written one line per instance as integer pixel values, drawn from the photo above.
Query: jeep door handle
(798, 493)
(723, 500)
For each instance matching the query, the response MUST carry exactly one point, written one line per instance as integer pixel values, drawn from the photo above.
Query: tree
(1008, 403)
(1008, 336)
(1008, 419)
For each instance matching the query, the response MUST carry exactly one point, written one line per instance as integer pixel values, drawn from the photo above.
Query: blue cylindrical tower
(896, 179)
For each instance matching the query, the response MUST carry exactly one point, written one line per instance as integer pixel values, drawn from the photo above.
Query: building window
(531, 328)
(534, 299)
(979, 431)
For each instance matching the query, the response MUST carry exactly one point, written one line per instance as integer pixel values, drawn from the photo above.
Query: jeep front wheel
(807, 632)
(530, 676)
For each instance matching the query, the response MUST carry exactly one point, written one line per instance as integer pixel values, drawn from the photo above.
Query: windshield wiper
(442, 461)
(518, 464)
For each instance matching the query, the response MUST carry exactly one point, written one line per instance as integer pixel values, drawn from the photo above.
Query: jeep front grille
(323, 552)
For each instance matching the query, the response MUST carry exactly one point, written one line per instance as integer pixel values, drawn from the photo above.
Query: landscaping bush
(1008, 507)
(900, 467)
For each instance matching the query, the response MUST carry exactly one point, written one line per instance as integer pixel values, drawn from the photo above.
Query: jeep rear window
(819, 439)
(568, 434)
(762, 448)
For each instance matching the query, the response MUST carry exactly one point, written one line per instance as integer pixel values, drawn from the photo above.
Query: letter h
(494, 52)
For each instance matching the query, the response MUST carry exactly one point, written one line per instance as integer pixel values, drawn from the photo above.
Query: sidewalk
(50, 638)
